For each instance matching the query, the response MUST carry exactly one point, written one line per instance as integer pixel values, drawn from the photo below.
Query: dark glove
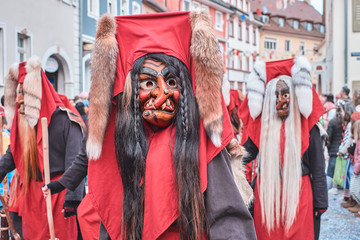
(55, 187)
(319, 212)
(70, 208)
(351, 149)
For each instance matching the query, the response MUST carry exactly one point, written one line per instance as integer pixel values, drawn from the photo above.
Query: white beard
(279, 204)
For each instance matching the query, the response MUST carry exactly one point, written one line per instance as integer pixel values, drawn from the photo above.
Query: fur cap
(207, 64)
(298, 68)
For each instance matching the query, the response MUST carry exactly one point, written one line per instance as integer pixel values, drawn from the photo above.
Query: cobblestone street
(337, 223)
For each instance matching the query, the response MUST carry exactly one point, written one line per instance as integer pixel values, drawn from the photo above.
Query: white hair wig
(280, 182)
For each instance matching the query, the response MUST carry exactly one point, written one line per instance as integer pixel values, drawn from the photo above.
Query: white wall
(51, 23)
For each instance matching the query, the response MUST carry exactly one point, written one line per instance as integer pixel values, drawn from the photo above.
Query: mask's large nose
(161, 93)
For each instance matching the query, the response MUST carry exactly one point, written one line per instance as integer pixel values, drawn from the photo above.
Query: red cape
(138, 35)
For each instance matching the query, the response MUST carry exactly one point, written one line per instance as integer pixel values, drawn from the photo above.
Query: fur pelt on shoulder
(236, 154)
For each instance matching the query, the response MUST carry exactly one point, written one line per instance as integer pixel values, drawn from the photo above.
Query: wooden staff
(11, 225)
(45, 140)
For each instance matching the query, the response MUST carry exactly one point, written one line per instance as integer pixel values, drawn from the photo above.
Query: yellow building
(289, 30)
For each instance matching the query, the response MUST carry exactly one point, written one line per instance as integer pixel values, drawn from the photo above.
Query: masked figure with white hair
(280, 114)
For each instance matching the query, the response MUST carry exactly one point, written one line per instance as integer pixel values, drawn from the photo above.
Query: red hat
(297, 68)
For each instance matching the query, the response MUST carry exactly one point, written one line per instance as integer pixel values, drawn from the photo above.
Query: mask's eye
(147, 84)
(286, 95)
(172, 83)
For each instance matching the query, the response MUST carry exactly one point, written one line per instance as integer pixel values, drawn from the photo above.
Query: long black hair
(131, 148)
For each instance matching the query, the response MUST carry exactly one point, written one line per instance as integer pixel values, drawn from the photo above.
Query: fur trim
(303, 86)
(236, 153)
(226, 91)
(32, 91)
(103, 66)
(256, 88)
(11, 82)
(208, 67)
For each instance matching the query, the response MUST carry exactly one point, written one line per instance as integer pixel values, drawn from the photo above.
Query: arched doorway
(54, 71)
(57, 67)
(86, 73)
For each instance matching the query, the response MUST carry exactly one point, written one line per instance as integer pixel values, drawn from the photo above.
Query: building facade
(243, 43)
(91, 11)
(289, 30)
(236, 30)
(342, 59)
(47, 29)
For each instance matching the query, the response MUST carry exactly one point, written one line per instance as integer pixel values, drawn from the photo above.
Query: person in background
(29, 96)
(345, 93)
(330, 109)
(80, 107)
(335, 132)
(345, 113)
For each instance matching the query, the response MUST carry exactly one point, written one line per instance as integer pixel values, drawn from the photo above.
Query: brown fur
(32, 91)
(10, 93)
(103, 67)
(208, 66)
(236, 154)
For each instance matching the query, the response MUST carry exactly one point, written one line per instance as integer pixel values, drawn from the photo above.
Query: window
(254, 36)
(239, 31)
(125, 7)
(264, 19)
(281, 22)
(247, 34)
(231, 28)
(270, 43)
(296, 24)
(233, 2)
(240, 61)
(136, 9)
(93, 8)
(287, 45)
(2, 55)
(315, 47)
(196, 5)
(205, 8)
(112, 9)
(240, 4)
(322, 29)
(247, 63)
(23, 47)
(302, 48)
(219, 21)
(186, 5)
(309, 27)
(231, 59)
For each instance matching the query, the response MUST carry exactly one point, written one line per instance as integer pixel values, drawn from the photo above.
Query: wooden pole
(45, 140)
(11, 224)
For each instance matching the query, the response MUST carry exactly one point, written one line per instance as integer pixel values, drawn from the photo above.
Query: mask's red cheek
(144, 95)
(176, 95)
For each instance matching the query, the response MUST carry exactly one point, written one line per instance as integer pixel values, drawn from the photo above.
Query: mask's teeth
(163, 106)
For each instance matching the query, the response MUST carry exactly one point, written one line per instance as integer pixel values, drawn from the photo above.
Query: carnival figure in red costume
(30, 96)
(157, 132)
(280, 115)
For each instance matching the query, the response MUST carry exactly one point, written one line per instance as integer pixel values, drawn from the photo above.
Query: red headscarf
(138, 35)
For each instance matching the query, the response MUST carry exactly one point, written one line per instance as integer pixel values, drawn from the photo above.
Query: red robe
(32, 207)
(302, 227)
(137, 36)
